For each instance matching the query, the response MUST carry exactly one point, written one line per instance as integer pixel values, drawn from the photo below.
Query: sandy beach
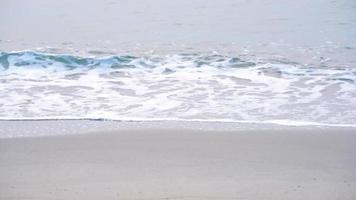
(177, 100)
(181, 164)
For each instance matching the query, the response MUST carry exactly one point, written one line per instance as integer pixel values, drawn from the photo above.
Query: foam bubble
(180, 87)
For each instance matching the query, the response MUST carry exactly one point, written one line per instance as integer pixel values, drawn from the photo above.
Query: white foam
(175, 87)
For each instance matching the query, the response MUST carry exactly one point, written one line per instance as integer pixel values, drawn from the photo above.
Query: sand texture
(176, 164)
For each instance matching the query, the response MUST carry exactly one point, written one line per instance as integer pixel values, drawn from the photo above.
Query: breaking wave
(35, 85)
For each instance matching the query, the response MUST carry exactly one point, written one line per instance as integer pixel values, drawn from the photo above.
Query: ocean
(278, 62)
(183, 87)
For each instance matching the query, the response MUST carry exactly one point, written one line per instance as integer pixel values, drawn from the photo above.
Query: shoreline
(57, 127)
(240, 59)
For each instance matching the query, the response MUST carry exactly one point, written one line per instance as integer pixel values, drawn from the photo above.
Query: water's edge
(34, 128)
(201, 87)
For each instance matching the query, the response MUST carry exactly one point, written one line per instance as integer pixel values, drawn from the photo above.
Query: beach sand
(181, 164)
(156, 161)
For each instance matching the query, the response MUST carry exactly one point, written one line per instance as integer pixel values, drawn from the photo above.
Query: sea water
(181, 86)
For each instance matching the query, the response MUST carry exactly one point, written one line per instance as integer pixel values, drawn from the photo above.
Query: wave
(32, 59)
(192, 87)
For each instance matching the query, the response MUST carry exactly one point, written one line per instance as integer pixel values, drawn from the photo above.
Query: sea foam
(200, 87)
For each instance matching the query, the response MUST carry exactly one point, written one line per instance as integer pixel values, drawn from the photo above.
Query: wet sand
(153, 162)
(181, 164)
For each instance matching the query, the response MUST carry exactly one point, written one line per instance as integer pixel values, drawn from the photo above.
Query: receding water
(190, 86)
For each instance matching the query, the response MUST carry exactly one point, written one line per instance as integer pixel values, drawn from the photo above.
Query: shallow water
(201, 86)
(274, 61)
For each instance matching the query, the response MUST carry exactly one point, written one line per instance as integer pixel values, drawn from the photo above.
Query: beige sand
(174, 164)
